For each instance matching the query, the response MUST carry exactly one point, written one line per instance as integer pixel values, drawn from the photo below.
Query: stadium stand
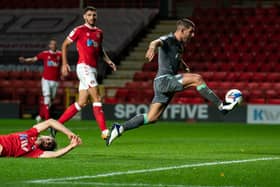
(25, 32)
(234, 48)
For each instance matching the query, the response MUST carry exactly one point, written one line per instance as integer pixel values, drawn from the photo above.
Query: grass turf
(165, 144)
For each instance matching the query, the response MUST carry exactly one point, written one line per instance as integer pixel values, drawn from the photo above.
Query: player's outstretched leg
(117, 129)
(208, 94)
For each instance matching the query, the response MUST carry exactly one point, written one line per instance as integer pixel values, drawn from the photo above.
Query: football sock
(46, 112)
(209, 94)
(41, 111)
(99, 115)
(135, 122)
(69, 113)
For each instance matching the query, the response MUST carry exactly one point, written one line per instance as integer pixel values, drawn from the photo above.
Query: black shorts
(165, 86)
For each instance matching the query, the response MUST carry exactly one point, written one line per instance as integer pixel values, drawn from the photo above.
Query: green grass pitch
(166, 154)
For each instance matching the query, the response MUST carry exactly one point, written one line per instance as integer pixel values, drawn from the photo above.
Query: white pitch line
(150, 170)
(128, 184)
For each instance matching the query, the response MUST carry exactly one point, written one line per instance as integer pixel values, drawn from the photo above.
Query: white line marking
(128, 184)
(150, 170)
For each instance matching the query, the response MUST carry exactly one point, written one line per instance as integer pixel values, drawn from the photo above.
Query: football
(233, 95)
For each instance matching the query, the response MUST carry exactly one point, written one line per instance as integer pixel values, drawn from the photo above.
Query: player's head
(90, 15)
(47, 143)
(185, 29)
(53, 44)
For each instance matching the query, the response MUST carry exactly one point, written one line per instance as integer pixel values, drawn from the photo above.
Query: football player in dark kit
(167, 81)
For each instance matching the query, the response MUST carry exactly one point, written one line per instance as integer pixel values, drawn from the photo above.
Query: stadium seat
(256, 100)
(37, 75)
(27, 75)
(273, 77)
(14, 75)
(4, 75)
(273, 101)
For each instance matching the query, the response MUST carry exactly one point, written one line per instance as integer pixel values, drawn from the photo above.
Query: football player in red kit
(51, 75)
(88, 39)
(28, 144)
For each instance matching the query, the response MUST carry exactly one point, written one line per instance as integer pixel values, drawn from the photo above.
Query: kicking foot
(115, 132)
(227, 107)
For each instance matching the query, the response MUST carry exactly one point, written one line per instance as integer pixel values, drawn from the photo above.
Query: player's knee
(47, 100)
(152, 120)
(198, 79)
(82, 103)
(96, 99)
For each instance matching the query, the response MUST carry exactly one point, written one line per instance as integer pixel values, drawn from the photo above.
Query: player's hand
(65, 69)
(150, 54)
(112, 65)
(21, 59)
(76, 141)
(71, 135)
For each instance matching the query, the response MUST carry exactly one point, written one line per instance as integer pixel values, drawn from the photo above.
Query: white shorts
(49, 88)
(87, 76)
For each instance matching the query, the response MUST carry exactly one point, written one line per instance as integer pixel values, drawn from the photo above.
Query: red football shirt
(52, 64)
(88, 42)
(20, 144)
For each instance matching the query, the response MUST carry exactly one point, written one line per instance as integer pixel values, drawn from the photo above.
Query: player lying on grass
(167, 81)
(28, 144)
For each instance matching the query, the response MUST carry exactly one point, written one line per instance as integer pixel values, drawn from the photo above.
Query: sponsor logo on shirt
(52, 63)
(92, 43)
(24, 142)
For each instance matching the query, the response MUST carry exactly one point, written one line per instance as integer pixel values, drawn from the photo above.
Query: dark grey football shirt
(169, 55)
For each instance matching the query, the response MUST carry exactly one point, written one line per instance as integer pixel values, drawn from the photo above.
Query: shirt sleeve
(40, 56)
(34, 154)
(74, 34)
(164, 40)
(33, 132)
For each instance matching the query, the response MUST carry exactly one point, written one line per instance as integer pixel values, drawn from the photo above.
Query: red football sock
(69, 113)
(41, 111)
(41, 107)
(46, 112)
(99, 116)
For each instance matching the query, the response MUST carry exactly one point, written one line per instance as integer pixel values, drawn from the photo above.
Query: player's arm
(30, 60)
(65, 68)
(56, 125)
(75, 141)
(108, 60)
(152, 49)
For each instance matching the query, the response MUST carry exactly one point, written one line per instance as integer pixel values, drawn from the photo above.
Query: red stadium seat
(256, 100)
(273, 77)
(27, 75)
(259, 77)
(14, 75)
(273, 101)
(121, 95)
(37, 75)
(272, 94)
(4, 75)
(245, 77)
(256, 94)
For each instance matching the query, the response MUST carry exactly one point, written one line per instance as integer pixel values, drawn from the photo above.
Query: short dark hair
(50, 147)
(185, 22)
(89, 8)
